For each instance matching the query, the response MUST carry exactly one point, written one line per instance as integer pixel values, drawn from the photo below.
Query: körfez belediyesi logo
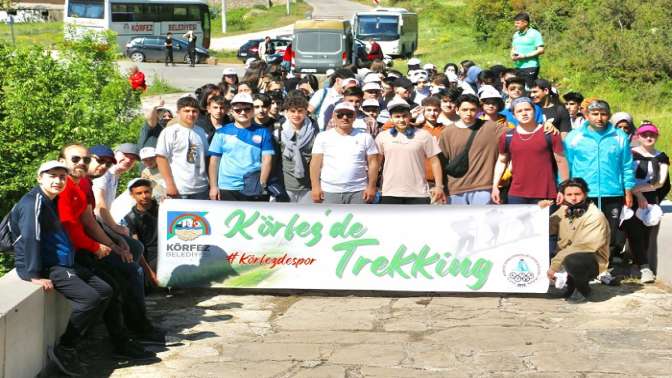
(187, 226)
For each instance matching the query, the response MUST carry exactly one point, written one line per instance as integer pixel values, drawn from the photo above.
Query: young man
(142, 222)
(553, 111)
(169, 48)
(181, 152)
(262, 106)
(515, 87)
(344, 166)
(470, 184)
(151, 172)
(46, 257)
(371, 108)
(218, 109)
(405, 150)
(296, 143)
(355, 97)
(526, 47)
(600, 153)
(573, 102)
(155, 121)
(583, 240)
(321, 100)
(449, 98)
(241, 156)
(431, 110)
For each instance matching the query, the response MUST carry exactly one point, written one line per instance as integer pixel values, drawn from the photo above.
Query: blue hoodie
(603, 159)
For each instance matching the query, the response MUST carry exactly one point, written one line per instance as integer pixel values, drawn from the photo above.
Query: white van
(395, 30)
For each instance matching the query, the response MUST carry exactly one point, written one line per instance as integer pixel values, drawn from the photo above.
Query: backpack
(6, 239)
(459, 166)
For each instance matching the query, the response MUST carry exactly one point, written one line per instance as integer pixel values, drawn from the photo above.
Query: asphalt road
(182, 76)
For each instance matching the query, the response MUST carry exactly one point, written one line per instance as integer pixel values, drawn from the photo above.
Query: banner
(353, 247)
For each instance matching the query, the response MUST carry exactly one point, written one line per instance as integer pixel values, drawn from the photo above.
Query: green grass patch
(248, 20)
(160, 86)
(6, 264)
(225, 56)
(47, 34)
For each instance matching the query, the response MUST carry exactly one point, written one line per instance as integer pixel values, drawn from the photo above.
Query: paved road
(182, 76)
(321, 8)
(625, 332)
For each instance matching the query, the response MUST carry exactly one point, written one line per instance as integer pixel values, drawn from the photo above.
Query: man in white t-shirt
(181, 153)
(325, 97)
(344, 165)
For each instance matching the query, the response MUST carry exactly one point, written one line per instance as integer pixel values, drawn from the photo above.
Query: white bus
(395, 29)
(137, 18)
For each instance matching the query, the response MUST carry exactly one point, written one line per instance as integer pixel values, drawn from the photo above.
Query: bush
(47, 102)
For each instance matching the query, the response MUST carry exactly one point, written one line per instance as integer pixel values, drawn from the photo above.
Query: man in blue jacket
(600, 153)
(45, 256)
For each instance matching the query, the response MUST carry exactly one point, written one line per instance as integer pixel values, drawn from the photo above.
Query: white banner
(354, 247)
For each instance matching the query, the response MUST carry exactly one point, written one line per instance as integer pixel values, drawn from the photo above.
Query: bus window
(87, 9)
(380, 28)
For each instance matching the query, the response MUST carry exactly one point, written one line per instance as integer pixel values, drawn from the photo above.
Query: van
(320, 45)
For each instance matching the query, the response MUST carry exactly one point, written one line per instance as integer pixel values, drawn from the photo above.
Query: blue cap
(103, 151)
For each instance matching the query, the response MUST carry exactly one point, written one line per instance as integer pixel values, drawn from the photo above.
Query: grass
(225, 56)
(45, 34)
(248, 20)
(6, 264)
(160, 86)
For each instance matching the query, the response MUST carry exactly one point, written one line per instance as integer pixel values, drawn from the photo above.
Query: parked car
(251, 48)
(151, 48)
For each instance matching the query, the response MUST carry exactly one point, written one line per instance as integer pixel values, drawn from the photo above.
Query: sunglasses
(77, 159)
(241, 110)
(106, 162)
(345, 115)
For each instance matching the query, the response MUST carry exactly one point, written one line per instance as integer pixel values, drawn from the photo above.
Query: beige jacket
(588, 233)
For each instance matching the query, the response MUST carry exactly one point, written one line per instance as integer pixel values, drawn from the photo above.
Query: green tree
(48, 101)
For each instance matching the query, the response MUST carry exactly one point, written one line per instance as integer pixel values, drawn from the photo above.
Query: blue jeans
(475, 197)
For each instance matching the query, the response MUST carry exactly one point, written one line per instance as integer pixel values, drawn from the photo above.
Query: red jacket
(376, 52)
(137, 81)
(72, 203)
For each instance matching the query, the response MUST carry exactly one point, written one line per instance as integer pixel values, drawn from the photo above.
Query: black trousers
(581, 269)
(169, 56)
(235, 195)
(192, 56)
(88, 294)
(641, 238)
(389, 200)
(611, 208)
(529, 74)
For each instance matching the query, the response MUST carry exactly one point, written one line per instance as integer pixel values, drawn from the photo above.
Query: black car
(251, 48)
(151, 48)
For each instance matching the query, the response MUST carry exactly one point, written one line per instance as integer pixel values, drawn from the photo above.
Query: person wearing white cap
(241, 155)
(583, 239)
(355, 97)
(45, 256)
(151, 172)
(371, 108)
(322, 99)
(652, 184)
(421, 82)
(229, 76)
(492, 103)
(344, 165)
(404, 150)
(430, 69)
(372, 91)
(181, 153)
(413, 64)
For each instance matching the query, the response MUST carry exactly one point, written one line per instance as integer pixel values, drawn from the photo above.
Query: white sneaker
(606, 278)
(647, 276)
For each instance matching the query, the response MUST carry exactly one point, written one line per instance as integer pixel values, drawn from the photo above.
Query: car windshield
(380, 28)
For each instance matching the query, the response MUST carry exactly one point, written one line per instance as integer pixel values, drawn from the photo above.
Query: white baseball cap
(414, 62)
(242, 98)
(147, 152)
(429, 66)
(344, 105)
(229, 71)
(397, 103)
(371, 103)
(330, 72)
(488, 91)
(650, 216)
(418, 75)
(372, 77)
(51, 164)
(373, 86)
(350, 80)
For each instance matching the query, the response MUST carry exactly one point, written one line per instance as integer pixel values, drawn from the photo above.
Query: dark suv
(251, 48)
(151, 48)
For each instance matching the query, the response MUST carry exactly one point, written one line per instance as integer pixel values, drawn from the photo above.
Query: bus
(395, 30)
(137, 18)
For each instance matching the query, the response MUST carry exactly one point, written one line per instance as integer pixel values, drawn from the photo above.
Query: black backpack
(6, 239)
(458, 166)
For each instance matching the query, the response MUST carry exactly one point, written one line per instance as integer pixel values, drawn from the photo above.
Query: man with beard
(583, 240)
(142, 223)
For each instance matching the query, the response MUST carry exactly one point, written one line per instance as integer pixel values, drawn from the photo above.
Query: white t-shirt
(344, 161)
(330, 97)
(185, 149)
(108, 183)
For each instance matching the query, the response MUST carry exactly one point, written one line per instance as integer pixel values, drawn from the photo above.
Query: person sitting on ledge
(583, 240)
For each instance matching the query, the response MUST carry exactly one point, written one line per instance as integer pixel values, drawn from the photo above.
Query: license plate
(310, 70)
(243, 54)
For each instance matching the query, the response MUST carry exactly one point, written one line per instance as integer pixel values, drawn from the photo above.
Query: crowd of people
(465, 135)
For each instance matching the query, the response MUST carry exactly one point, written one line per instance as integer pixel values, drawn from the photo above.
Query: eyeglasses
(77, 159)
(241, 110)
(346, 115)
(107, 163)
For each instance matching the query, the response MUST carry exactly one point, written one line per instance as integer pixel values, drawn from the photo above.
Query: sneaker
(152, 336)
(577, 298)
(131, 350)
(647, 276)
(66, 360)
(607, 279)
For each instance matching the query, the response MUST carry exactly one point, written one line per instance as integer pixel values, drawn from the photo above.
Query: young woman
(532, 154)
(651, 174)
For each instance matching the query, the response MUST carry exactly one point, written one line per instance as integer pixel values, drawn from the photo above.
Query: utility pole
(11, 27)
(223, 16)
(288, 11)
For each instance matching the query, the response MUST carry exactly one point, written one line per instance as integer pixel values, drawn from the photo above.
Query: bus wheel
(138, 57)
